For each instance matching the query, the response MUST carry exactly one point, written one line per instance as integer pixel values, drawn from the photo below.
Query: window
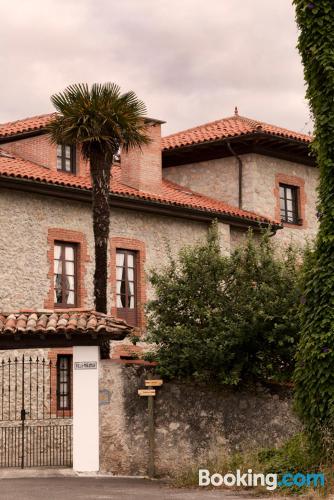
(66, 158)
(289, 203)
(126, 299)
(64, 383)
(65, 274)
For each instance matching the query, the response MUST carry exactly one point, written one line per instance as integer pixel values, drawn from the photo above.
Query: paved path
(104, 488)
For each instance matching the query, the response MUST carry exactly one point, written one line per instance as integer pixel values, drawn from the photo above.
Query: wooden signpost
(150, 393)
(153, 383)
(146, 392)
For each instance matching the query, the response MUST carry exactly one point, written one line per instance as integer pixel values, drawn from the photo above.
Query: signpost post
(150, 393)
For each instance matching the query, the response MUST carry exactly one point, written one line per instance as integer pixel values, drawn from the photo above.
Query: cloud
(190, 61)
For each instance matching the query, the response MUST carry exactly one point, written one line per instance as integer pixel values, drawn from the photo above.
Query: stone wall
(219, 179)
(193, 424)
(25, 220)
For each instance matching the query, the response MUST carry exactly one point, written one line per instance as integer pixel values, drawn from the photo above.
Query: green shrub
(226, 319)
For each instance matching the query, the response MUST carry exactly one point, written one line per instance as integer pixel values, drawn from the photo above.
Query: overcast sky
(191, 61)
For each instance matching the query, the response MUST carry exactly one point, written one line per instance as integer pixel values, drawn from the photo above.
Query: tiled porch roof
(70, 323)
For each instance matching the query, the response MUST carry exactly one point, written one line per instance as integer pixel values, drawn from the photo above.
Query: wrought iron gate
(35, 418)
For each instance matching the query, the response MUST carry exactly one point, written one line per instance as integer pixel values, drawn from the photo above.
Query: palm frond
(100, 117)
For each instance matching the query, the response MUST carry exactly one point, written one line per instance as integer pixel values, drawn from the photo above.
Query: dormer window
(66, 158)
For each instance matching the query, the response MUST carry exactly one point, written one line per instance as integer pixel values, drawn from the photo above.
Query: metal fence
(35, 413)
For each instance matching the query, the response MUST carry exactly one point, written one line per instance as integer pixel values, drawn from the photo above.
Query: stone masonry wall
(219, 179)
(215, 178)
(193, 424)
(24, 223)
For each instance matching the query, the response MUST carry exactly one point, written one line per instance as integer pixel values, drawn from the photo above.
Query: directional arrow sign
(146, 392)
(153, 383)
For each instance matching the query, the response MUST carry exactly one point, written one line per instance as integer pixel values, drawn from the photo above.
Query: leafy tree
(225, 319)
(314, 376)
(101, 120)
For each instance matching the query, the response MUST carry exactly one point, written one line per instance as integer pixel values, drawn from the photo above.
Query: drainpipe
(240, 172)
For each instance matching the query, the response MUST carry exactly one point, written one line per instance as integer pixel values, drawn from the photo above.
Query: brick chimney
(141, 168)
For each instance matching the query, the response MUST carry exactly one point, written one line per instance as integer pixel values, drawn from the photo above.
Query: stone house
(239, 171)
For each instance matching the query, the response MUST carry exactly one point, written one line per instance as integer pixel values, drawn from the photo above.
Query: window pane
(57, 266)
(70, 282)
(57, 251)
(289, 193)
(132, 302)
(282, 204)
(131, 288)
(69, 253)
(70, 268)
(118, 286)
(63, 362)
(58, 290)
(59, 164)
(70, 298)
(59, 149)
(289, 205)
(68, 151)
(68, 165)
(123, 288)
(63, 382)
(120, 259)
(120, 273)
(119, 302)
(130, 274)
(130, 260)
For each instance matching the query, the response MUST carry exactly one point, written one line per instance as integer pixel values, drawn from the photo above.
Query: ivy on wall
(314, 374)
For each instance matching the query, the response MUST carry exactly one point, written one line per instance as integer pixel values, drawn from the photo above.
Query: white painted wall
(86, 410)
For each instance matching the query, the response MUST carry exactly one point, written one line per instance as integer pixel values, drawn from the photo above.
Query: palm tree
(102, 121)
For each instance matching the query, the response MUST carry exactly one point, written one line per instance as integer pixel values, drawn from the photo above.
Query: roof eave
(249, 143)
(134, 203)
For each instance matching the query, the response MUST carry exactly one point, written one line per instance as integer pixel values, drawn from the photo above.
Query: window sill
(293, 225)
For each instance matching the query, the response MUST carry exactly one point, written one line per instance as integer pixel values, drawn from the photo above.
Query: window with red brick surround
(53, 356)
(137, 246)
(299, 183)
(82, 258)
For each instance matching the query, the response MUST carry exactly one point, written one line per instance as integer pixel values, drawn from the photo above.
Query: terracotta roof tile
(232, 126)
(25, 125)
(169, 194)
(62, 322)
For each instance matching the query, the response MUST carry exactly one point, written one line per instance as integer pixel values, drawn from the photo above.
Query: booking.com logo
(270, 481)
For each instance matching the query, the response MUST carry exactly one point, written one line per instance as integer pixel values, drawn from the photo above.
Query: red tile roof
(233, 126)
(169, 194)
(60, 322)
(25, 125)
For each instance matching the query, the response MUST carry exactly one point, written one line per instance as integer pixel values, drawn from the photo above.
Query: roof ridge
(251, 121)
(198, 126)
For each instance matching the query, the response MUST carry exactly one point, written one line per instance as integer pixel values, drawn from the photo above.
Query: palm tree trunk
(100, 174)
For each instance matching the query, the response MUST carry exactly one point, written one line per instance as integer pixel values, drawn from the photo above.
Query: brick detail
(126, 352)
(52, 356)
(299, 182)
(141, 168)
(139, 246)
(40, 150)
(66, 235)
